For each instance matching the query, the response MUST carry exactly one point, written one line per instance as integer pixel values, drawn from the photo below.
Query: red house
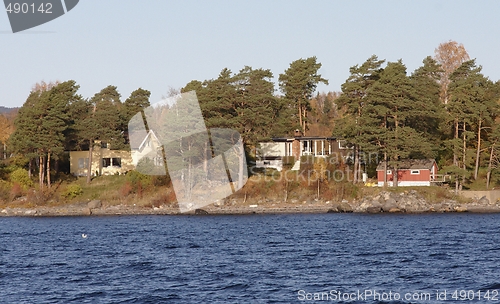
(411, 172)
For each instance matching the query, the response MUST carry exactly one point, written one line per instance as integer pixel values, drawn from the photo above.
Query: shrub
(16, 191)
(160, 180)
(136, 177)
(20, 176)
(126, 189)
(72, 191)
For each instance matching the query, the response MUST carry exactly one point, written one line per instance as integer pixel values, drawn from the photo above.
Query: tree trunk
(355, 177)
(29, 167)
(40, 172)
(48, 170)
(478, 151)
(89, 166)
(300, 116)
(304, 114)
(464, 155)
(241, 166)
(385, 170)
(488, 175)
(455, 156)
(318, 190)
(395, 176)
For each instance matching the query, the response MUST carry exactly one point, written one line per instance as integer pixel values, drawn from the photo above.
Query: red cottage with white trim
(411, 172)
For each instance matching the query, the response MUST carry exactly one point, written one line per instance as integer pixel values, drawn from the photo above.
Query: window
(389, 171)
(104, 144)
(342, 145)
(415, 172)
(83, 163)
(106, 162)
(116, 162)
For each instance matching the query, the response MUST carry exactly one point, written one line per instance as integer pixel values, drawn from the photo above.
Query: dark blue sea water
(251, 259)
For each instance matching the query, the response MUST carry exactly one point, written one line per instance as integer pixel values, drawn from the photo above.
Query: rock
(5, 211)
(388, 205)
(30, 212)
(94, 204)
(327, 202)
(362, 207)
(461, 209)
(391, 201)
(333, 210)
(483, 209)
(253, 206)
(373, 209)
(200, 212)
(483, 201)
(344, 207)
(394, 210)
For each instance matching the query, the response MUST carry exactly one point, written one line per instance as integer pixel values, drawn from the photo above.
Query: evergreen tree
(298, 83)
(357, 127)
(101, 122)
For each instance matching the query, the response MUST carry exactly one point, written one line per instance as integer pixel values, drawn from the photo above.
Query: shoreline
(407, 202)
(342, 207)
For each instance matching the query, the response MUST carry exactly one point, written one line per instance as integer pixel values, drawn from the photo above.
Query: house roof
(290, 139)
(410, 164)
(137, 139)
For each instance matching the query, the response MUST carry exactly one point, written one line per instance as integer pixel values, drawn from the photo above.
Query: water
(248, 259)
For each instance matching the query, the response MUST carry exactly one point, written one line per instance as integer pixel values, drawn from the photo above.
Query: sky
(158, 45)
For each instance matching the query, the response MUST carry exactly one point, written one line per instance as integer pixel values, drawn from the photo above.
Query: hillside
(4, 110)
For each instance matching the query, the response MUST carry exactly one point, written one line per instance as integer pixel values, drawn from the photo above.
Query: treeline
(446, 109)
(55, 118)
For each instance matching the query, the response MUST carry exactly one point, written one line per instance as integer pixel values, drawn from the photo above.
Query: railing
(440, 178)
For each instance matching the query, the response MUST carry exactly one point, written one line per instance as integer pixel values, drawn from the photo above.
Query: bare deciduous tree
(450, 55)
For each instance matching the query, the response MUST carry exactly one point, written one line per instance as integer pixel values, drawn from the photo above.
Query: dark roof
(409, 164)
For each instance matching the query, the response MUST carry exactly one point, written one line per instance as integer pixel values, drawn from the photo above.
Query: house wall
(296, 149)
(405, 178)
(97, 155)
(272, 149)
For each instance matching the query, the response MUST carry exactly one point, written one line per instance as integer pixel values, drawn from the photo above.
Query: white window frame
(389, 172)
(415, 172)
(342, 144)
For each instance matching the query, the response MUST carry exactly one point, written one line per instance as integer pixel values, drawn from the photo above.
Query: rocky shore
(385, 202)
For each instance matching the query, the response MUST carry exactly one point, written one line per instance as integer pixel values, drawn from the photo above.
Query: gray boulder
(333, 210)
(94, 204)
(344, 207)
(389, 204)
(200, 212)
(483, 201)
(373, 209)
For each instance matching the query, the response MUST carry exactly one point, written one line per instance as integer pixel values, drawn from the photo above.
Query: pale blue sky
(160, 44)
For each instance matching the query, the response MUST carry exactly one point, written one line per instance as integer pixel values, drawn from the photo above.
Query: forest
(445, 109)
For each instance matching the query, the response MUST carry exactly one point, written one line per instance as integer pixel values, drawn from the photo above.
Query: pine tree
(101, 122)
(357, 127)
(298, 83)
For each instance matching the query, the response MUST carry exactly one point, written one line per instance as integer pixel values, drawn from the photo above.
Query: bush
(72, 191)
(126, 189)
(20, 176)
(136, 177)
(16, 191)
